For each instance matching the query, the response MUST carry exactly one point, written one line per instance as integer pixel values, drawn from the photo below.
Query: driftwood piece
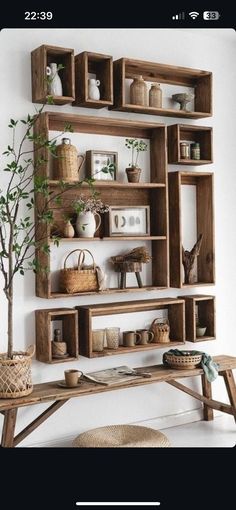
(189, 258)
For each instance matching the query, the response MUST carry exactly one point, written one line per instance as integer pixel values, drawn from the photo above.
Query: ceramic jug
(86, 223)
(54, 85)
(93, 90)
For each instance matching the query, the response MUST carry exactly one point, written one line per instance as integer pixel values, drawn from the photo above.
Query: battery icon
(211, 15)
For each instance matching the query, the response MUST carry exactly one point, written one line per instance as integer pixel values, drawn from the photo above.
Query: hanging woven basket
(15, 374)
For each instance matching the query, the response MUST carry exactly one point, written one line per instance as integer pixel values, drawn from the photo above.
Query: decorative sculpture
(188, 260)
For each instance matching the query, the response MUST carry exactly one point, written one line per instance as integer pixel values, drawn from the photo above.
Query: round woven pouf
(121, 436)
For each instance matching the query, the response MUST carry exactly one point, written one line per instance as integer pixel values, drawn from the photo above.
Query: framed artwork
(102, 165)
(129, 220)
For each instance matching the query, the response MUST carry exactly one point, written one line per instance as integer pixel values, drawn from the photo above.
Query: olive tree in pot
(18, 231)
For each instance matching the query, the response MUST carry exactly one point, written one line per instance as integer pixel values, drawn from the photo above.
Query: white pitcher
(54, 85)
(86, 224)
(93, 90)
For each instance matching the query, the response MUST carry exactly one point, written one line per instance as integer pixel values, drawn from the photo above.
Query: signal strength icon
(193, 14)
(179, 16)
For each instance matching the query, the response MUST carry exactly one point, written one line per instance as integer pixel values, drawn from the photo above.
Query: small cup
(131, 338)
(72, 377)
(98, 338)
(200, 330)
(112, 338)
(146, 336)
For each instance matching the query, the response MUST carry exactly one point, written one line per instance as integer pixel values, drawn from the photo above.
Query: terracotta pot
(133, 174)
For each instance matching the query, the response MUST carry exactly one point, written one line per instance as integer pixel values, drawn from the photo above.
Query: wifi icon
(194, 14)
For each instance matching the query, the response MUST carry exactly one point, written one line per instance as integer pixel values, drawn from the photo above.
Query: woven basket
(80, 279)
(185, 362)
(66, 164)
(161, 331)
(15, 374)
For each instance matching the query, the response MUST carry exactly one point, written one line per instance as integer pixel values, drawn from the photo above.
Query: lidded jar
(66, 165)
(155, 96)
(138, 91)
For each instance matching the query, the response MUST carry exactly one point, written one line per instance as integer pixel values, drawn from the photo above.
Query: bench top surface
(50, 391)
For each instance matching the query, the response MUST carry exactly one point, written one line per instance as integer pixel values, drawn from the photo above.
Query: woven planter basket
(185, 362)
(161, 331)
(15, 374)
(80, 279)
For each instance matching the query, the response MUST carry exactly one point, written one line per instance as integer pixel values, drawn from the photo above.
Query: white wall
(212, 50)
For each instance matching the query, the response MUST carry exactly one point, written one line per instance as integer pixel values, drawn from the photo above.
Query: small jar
(138, 91)
(195, 151)
(184, 150)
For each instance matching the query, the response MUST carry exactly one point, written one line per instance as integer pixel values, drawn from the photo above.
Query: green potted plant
(136, 146)
(21, 164)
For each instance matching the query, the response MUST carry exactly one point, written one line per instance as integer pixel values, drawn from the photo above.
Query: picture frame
(96, 160)
(128, 221)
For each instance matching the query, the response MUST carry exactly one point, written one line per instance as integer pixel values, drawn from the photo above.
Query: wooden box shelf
(153, 194)
(176, 316)
(43, 56)
(201, 81)
(201, 307)
(44, 334)
(205, 226)
(86, 64)
(182, 132)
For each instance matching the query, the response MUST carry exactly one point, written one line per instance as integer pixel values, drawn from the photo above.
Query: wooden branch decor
(189, 258)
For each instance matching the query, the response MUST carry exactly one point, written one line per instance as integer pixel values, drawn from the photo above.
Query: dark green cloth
(208, 365)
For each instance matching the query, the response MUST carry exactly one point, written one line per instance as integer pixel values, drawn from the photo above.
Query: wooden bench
(47, 392)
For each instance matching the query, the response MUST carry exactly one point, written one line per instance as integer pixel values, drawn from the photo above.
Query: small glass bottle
(184, 150)
(195, 151)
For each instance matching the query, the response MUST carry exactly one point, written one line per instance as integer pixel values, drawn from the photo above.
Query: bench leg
(206, 391)
(230, 387)
(9, 428)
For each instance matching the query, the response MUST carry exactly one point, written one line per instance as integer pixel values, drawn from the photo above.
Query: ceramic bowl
(183, 99)
(200, 331)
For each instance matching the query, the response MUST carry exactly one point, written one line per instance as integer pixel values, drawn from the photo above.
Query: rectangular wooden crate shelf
(183, 132)
(108, 291)
(200, 81)
(176, 316)
(40, 58)
(205, 225)
(69, 330)
(153, 194)
(87, 63)
(203, 307)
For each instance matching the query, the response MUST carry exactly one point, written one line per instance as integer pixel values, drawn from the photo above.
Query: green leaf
(22, 272)
(49, 100)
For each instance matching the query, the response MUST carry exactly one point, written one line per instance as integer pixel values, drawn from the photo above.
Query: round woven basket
(15, 374)
(122, 436)
(184, 362)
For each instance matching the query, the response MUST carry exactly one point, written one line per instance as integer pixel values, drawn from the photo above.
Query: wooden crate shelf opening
(153, 194)
(41, 58)
(203, 307)
(182, 132)
(205, 226)
(44, 334)
(200, 81)
(176, 316)
(100, 67)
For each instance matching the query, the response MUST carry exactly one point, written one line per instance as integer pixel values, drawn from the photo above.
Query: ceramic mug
(131, 338)
(72, 377)
(146, 336)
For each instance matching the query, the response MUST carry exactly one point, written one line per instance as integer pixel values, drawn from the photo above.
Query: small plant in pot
(136, 146)
(89, 209)
(200, 329)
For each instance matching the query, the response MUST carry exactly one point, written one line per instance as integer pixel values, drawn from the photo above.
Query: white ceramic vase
(54, 85)
(86, 224)
(93, 90)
